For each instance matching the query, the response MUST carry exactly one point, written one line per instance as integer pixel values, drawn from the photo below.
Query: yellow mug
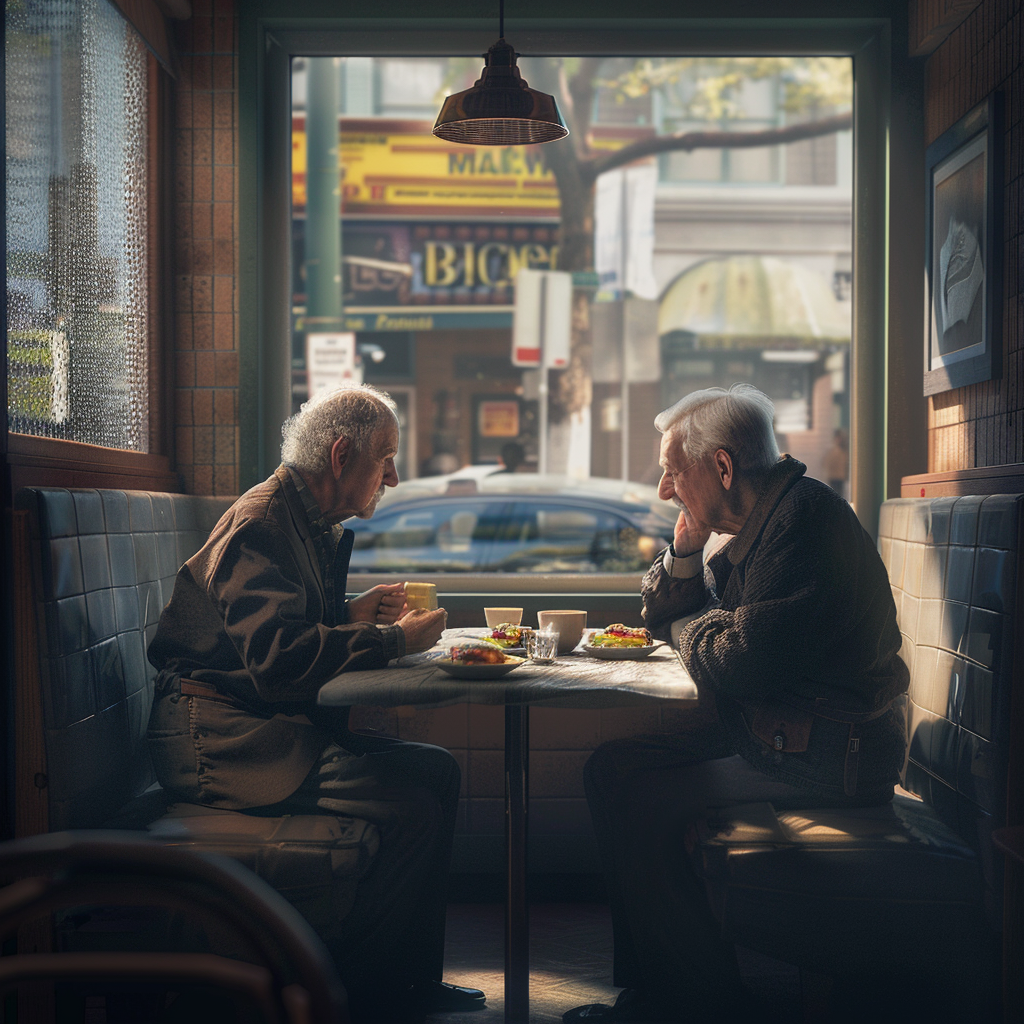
(421, 595)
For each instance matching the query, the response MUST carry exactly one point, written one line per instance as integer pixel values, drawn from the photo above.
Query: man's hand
(382, 604)
(690, 536)
(422, 628)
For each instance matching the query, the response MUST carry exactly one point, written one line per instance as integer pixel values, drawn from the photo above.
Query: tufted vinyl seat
(103, 563)
(910, 888)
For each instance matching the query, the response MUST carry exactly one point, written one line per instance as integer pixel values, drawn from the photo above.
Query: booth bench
(902, 903)
(95, 569)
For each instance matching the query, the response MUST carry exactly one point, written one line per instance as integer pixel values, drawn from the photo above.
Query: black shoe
(589, 1012)
(441, 997)
(631, 1007)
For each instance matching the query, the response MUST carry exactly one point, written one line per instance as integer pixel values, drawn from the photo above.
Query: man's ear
(339, 455)
(724, 468)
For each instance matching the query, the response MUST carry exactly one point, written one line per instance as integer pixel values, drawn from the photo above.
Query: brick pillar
(206, 217)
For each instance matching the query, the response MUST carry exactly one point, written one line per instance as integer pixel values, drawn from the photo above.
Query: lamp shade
(500, 109)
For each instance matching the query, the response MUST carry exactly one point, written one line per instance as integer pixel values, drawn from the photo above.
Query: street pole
(623, 263)
(323, 197)
(545, 376)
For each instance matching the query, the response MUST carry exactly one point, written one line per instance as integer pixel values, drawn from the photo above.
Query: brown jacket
(252, 624)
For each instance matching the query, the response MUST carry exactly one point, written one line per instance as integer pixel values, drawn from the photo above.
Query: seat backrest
(953, 568)
(103, 563)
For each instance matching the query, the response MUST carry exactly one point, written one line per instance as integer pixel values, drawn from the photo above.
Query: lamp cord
(501, 19)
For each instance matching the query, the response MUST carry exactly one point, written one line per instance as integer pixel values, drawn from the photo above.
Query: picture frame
(964, 251)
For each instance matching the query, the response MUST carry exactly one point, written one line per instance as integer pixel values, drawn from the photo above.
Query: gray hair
(354, 411)
(740, 420)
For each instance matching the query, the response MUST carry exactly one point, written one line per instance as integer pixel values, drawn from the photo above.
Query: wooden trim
(31, 797)
(148, 20)
(1007, 479)
(154, 324)
(160, 260)
(47, 462)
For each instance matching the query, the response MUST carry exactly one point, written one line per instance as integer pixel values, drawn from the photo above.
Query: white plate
(621, 653)
(459, 670)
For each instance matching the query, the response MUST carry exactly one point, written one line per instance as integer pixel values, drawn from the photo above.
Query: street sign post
(541, 330)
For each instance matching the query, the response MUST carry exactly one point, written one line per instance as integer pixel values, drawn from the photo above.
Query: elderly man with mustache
(256, 624)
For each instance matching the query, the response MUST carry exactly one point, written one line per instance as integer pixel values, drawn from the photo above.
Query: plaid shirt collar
(319, 527)
(325, 537)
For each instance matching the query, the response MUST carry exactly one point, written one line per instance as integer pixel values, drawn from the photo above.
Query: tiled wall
(206, 212)
(982, 424)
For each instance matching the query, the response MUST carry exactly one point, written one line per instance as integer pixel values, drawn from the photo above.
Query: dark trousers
(394, 934)
(644, 794)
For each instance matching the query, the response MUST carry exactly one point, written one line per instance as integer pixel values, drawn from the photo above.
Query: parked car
(513, 522)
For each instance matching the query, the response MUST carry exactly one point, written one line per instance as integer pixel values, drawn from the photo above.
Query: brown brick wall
(206, 215)
(981, 425)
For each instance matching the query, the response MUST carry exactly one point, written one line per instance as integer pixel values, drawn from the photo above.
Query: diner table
(577, 679)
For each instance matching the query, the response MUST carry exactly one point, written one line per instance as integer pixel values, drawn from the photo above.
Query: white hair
(740, 420)
(354, 411)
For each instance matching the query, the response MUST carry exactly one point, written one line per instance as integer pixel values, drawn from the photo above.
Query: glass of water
(542, 647)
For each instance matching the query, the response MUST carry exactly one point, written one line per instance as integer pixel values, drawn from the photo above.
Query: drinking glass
(542, 647)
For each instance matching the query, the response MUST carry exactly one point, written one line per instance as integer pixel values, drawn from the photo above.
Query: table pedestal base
(517, 913)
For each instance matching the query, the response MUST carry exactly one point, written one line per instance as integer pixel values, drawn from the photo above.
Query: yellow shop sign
(391, 166)
(464, 264)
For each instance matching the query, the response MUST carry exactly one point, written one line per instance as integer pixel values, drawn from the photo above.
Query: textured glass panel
(76, 223)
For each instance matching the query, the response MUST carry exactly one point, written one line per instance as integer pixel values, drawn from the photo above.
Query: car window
(548, 536)
(452, 536)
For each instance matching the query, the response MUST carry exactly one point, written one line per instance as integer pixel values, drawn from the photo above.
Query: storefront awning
(754, 302)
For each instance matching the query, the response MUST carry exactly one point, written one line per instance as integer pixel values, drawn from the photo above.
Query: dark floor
(571, 963)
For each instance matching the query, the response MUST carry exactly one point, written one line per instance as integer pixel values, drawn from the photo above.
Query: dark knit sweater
(806, 619)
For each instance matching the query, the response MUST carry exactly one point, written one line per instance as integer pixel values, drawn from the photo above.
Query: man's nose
(391, 475)
(666, 487)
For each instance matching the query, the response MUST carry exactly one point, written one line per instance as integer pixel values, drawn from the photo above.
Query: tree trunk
(576, 196)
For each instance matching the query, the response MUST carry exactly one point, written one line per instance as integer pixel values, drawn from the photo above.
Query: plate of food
(478, 661)
(508, 636)
(618, 642)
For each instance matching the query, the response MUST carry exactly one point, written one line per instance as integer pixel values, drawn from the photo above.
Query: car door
(547, 535)
(451, 535)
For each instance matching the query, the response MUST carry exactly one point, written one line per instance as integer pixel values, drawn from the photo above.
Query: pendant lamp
(500, 109)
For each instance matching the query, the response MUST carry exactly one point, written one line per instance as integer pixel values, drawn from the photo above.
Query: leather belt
(193, 688)
(855, 719)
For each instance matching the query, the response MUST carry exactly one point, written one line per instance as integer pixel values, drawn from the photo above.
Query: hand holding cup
(422, 628)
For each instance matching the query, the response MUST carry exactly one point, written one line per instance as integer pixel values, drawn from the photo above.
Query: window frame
(43, 461)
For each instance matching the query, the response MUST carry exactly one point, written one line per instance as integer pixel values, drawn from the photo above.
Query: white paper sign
(542, 321)
(331, 361)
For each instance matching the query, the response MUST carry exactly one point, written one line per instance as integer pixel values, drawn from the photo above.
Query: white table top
(573, 680)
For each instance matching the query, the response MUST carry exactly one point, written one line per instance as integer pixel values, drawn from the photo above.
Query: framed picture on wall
(964, 254)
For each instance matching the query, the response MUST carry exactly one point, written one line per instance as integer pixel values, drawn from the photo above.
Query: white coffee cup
(567, 623)
(497, 616)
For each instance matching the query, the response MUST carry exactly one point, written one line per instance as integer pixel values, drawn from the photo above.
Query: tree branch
(689, 141)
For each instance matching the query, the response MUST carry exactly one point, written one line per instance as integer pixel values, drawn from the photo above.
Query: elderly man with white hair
(256, 624)
(789, 631)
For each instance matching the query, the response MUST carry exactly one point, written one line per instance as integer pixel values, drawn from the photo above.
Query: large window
(77, 265)
(709, 266)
